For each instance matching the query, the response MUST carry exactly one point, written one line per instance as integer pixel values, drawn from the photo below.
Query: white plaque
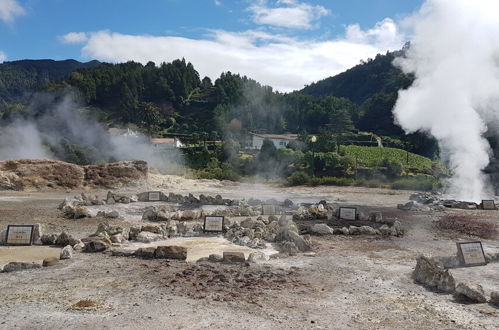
(19, 235)
(348, 213)
(488, 205)
(471, 254)
(214, 224)
(154, 196)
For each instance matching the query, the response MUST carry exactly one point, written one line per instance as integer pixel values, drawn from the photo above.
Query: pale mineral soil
(348, 282)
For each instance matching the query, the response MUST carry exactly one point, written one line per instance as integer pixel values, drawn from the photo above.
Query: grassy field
(374, 156)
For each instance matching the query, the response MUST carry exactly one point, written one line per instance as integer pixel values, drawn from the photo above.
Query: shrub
(332, 181)
(298, 178)
(420, 182)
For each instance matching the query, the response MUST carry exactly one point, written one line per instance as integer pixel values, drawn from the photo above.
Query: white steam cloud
(454, 55)
(51, 124)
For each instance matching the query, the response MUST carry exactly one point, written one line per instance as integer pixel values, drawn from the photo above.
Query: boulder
(150, 214)
(233, 257)
(288, 248)
(65, 239)
(95, 244)
(367, 230)
(66, 252)
(322, 229)
(494, 298)
(397, 229)
(134, 231)
(354, 230)
(151, 228)
(17, 266)
(171, 252)
(52, 261)
(470, 292)
(79, 246)
(48, 239)
(258, 257)
(248, 223)
(112, 215)
(433, 275)
(215, 258)
(376, 217)
(161, 215)
(117, 238)
(385, 230)
(145, 252)
(344, 231)
(148, 237)
(79, 212)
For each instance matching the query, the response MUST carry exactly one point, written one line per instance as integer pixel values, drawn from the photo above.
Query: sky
(286, 44)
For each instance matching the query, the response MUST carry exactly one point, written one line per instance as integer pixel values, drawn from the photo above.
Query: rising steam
(52, 121)
(454, 55)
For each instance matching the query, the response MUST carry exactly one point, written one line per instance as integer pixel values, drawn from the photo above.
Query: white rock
(148, 237)
(66, 252)
(322, 229)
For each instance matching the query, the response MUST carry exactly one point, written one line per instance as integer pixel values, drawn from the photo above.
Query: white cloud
(384, 34)
(74, 38)
(282, 62)
(3, 57)
(9, 9)
(218, 3)
(287, 13)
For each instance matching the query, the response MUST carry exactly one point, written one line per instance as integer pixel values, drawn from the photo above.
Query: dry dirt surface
(346, 282)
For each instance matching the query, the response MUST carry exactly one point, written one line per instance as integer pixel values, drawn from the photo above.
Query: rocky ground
(344, 282)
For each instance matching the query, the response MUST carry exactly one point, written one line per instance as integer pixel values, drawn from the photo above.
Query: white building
(279, 140)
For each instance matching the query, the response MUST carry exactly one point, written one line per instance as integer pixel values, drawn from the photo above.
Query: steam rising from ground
(454, 55)
(51, 124)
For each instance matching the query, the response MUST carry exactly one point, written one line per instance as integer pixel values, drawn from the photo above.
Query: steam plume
(454, 55)
(51, 120)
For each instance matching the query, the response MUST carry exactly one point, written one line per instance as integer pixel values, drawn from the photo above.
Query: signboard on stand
(471, 254)
(348, 213)
(154, 196)
(19, 235)
(213, 224)
(488, 205)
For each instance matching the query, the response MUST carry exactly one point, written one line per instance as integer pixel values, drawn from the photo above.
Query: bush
(332, 181)
(422, 182)
(298, 178)
(375, 156)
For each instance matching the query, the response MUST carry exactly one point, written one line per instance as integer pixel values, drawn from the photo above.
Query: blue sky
(283, 43)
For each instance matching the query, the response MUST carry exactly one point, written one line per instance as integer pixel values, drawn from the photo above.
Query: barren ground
(347, 282)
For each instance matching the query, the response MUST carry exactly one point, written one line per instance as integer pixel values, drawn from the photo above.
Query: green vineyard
(374, 156)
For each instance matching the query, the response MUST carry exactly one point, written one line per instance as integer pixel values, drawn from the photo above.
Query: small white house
(280, 140)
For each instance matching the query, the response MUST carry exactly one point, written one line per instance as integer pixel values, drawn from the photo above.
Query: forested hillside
(18, 79)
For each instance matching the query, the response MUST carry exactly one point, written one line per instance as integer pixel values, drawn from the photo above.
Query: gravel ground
(347, 282)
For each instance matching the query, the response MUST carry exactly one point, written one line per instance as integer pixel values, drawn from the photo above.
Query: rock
(48, 239)
(37, 234)
(66, 252)
(233, 257)
(215, 258)
(433, 275)
(288, 248)
(385, 230)
(134, 231)
(79, 246)
(171, 252)
(413, 206)
(376, 217)
(150, 214)
(161, 215)
(363, 216)
(112, 215)
(301, 242)
(148, 237)
(322, 229)
(248, 223)
(367, 230)
(344, 231)
(288, 203)
(80, 212)
(18, 266)
(354, 230)
(117, 238)
(470, 292)
(397, 229)
(151, 228)
(52, 261)
(110, 198)
(65, 239)
(145, 252)
(494, 298)
(93, 245)
(258, 257)
(272, 218)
